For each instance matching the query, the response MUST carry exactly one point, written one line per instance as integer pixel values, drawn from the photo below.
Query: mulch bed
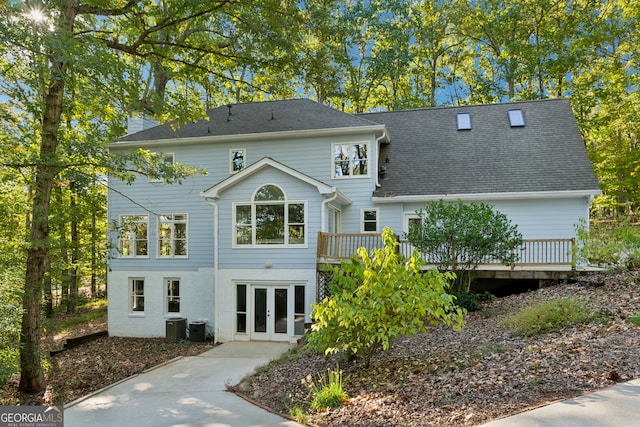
(466, 378)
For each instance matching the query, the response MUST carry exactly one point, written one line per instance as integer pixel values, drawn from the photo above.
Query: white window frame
(368, 160)
(131, 235)
(172, 239)
(364, 221)
(253, 203)
(407, 219)
(133, 296)
(166, 156)
(169, 298)
(232, 170)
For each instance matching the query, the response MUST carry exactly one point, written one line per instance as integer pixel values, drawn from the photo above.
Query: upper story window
(134, 235)
(270, 219)
(237, 160)
(167, 159)
(350, 160)
(369, 220)
(172, 235)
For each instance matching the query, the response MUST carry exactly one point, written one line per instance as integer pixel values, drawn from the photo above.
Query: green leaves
(379, 297)
(458, 236)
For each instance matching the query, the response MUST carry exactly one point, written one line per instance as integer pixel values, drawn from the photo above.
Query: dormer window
(464, 121)
(516, 119)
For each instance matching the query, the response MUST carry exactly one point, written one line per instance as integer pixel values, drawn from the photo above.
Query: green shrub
(459, 236)
(467, 300)
(10, 321)
(548, 316)
(615, 242)
(377, 298)
(327, 392)
(9, 363)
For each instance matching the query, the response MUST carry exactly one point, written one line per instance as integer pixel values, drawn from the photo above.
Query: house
(236, 249)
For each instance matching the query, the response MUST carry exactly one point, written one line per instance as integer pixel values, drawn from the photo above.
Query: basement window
(516, 119)
(464, 121)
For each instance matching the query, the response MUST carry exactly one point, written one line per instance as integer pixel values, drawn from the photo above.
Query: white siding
(311, 156)
(256, 257)
(226, 294)
(196, 301)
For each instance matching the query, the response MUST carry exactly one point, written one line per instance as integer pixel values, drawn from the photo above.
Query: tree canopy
(71, 71)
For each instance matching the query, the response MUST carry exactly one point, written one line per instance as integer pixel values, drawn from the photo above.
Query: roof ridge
(447, 107)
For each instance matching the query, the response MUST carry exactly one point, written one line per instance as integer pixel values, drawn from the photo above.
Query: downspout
(378, 141)
(216, 284)
(323, 214)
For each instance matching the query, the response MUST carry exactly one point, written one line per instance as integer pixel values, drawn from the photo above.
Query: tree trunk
(75, 244)
(31, 374)
(48, 291)
(94, 255)
(64, 252)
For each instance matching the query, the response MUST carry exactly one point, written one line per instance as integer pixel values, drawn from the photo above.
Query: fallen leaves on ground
(96, 364)
(466, 378)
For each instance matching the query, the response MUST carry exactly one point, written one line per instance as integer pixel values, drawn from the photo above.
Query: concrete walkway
(190, 392)
(615, 406)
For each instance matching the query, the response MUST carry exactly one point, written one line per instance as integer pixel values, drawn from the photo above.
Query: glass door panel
(261, 310)
(281, 318)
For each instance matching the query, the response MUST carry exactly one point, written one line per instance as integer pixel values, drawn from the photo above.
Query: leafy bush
(327, 392)
(467, 300)
(615, 243)
(10, 321)
(380, 297)
(460, 236)
(548, 316)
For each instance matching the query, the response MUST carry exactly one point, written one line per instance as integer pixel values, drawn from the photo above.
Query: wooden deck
(538, 259)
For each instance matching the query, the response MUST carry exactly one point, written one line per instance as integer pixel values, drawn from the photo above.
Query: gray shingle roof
(429, 156)
(258, 117)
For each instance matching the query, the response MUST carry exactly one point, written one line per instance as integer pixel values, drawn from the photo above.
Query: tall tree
(90, 53)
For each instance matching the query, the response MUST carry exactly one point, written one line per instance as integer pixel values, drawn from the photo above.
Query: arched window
(270, 219)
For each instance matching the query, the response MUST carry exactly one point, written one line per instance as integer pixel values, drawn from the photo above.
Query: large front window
(350, 160)
(172, 235)
(134, 235)
(270, 219)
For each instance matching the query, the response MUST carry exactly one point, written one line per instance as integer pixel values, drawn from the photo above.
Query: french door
(270, 313)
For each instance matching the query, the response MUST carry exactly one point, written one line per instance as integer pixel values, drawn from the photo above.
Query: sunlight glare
(36, 15)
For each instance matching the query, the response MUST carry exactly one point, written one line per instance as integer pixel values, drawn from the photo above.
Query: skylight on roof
(515, 118)
(464, 121)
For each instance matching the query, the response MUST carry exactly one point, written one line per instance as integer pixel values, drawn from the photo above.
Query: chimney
(138, 122)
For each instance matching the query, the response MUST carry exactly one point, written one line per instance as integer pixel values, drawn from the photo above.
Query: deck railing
(335, 247)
